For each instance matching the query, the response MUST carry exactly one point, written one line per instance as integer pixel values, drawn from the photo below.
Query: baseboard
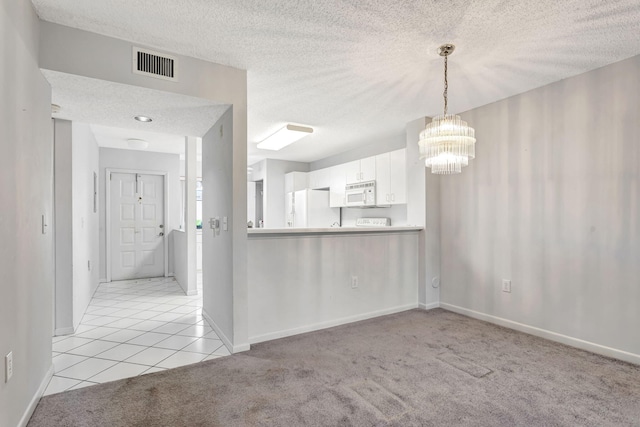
(543, 333)
(429, 306)
(225, 340)
(329, 323)
(36, 398)
(192, 292)
(64, 331)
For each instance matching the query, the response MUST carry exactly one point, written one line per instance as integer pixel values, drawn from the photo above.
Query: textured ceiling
(110, 108)
(358, 71)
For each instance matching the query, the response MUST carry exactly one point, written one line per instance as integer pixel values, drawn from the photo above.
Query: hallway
(131, 328)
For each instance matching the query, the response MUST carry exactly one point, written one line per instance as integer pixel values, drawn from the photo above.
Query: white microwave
(360, 195)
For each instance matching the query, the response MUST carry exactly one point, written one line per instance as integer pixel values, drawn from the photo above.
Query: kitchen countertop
(332, 230)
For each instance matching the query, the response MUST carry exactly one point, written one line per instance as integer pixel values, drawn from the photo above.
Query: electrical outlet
(354, 282)
(506, 285)
(8, 366)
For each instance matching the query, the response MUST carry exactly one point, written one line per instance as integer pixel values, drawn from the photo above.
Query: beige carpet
(417, 368)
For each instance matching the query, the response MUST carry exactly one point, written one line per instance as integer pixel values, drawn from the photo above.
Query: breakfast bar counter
(302, 279)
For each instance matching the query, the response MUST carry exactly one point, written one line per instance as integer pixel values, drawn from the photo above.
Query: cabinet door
(313, 179)
(398, 176)
(338, 183)
(295, 181)
(383, 180)
(368, 169)
(352, 172)
(320, 178)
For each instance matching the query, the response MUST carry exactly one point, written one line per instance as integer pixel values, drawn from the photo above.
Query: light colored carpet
(417, 368)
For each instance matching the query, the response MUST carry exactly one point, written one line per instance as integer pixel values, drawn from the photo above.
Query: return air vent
(155, 64)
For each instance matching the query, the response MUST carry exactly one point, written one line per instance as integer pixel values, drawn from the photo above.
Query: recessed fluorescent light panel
(285, 136)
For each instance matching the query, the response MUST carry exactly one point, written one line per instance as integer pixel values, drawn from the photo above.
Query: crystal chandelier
(447, 143)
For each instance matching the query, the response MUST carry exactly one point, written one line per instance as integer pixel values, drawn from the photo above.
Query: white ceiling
(358, 71)
(110, 107)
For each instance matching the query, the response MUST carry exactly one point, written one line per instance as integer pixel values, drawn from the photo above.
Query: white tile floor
(132, 328)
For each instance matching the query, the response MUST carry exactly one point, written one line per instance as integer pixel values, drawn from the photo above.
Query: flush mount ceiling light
(137, 144)
(143, 119)
(447, 143)
(285, 136)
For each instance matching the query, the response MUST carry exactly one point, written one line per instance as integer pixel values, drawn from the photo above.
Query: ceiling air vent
(155, 64)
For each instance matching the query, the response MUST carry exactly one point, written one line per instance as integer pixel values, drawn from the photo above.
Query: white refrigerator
(310, 209)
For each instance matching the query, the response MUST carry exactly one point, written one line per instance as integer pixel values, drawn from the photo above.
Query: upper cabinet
(389, 170)
(391, 178)
(360, 170)
(294, 181)
(320, 179)
(338, 183)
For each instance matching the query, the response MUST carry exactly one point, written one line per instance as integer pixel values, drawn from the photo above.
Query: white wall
(76, 160)
(144, 161)
(552, 203)
(65, 50)
(26, 192)
(303, 283)
(373, 148)
(85, 220)
(397, 213)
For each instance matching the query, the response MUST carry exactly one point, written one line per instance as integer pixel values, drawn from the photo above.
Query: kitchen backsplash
(397, 213)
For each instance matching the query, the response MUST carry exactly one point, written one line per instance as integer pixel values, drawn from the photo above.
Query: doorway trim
(165, 238)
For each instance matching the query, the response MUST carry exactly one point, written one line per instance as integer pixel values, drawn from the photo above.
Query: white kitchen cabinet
(391, 178)
(295, 181)
(338, 183)
(360, 170)
(320, 178)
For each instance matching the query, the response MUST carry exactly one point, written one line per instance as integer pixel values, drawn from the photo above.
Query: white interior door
(137, 226)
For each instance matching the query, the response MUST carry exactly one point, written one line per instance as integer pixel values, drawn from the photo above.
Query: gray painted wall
(217, 247)
(303, 283)
(63, 227)
(552, 203)
(144, 161)
(423, 208)
(26, 192)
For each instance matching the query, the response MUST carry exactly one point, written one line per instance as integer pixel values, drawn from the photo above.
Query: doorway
(136, 213)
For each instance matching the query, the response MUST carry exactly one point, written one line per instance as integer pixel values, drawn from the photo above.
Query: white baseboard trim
(192, 292)
(429, 306)
(543, 333)
(36, 398)
(329, 324)
(64, 331)
(225, 340)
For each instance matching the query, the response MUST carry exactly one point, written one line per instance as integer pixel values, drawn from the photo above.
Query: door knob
(161, 234)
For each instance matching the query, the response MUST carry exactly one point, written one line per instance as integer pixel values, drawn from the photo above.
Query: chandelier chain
(446, 85)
